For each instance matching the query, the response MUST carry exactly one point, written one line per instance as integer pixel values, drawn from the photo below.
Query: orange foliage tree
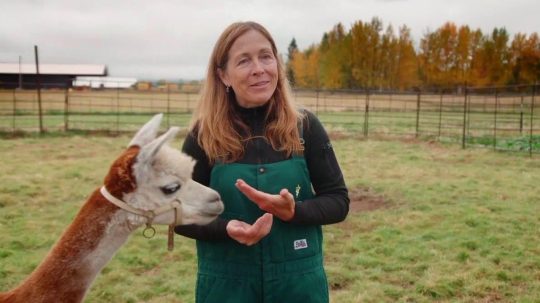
(369, 57)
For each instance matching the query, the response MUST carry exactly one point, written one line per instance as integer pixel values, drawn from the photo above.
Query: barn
(104, 82)
(14, 75)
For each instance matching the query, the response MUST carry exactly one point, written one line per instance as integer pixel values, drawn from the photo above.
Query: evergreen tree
(291, 51)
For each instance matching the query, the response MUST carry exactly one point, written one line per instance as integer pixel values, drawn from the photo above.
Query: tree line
(368, 56)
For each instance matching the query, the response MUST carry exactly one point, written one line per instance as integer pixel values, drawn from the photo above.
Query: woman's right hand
(250, 234)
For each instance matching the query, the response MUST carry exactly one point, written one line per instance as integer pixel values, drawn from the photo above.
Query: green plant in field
(524, 143)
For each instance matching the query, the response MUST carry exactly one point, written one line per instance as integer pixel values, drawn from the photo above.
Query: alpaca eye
(170, 189)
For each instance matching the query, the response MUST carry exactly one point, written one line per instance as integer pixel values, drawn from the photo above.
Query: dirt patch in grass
(365, 199)
(336, 135)
(492, 297)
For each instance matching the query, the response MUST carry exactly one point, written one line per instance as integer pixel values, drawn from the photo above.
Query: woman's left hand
(281, 206)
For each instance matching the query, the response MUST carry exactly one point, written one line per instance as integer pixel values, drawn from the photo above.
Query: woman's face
(251, 70)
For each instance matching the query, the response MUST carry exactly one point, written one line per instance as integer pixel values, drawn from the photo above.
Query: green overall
(285, 266)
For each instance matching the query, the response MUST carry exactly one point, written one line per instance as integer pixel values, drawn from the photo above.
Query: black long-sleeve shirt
(331, 201)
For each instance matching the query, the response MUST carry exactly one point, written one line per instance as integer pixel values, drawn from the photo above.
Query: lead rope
(170, 240)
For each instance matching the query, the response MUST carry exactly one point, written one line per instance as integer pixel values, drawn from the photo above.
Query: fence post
(357, 102)
(14, 109)
(440, 115)
(66, 109)
(417, 113)
(324, 102)
(470, 105)
(390, 101)
(532, 118)
(117, 110)
(38, 83)
(464, 134)
(495, 117)
(317, 102)
(168, 105)
(521, 114)
(188, 109)
(366, 115)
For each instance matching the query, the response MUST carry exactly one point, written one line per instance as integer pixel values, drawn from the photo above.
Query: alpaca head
(151, 176)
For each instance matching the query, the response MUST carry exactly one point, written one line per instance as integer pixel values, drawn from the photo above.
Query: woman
(276, 172)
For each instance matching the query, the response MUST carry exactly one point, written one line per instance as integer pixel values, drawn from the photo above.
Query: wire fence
(502, 118)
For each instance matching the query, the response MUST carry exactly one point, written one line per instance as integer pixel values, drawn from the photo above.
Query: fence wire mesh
(502, 118)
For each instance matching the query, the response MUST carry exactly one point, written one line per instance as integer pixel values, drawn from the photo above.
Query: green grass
(459, 226)
(464, 226)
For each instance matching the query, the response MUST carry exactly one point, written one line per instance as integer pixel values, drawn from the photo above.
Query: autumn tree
(407, 62)
(525, 59)
(492, 61)
(359, 66)
(334, 59)
(386, 73)
(463, 55)
(429, 59)
(365, 53)
(438, 58)
(306, 67)
(500, 60)
(373, 30)
(475, 49)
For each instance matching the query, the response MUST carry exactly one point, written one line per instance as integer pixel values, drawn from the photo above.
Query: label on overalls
(300, 244)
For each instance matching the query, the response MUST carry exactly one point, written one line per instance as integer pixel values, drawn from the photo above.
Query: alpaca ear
(147, 133)
(149, 151)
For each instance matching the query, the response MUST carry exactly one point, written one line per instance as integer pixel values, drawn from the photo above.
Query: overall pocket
(291, 242)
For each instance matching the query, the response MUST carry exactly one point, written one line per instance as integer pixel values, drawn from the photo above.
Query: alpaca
(149, 183)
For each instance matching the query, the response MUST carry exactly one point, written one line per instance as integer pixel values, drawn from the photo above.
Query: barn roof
(55, 69)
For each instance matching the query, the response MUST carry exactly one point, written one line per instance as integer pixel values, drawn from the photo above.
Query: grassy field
(428, 223)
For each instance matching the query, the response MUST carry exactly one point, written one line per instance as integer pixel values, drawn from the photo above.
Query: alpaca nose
(216, 198)
(217, 204)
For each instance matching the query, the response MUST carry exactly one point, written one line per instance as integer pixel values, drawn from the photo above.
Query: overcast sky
(172, 39)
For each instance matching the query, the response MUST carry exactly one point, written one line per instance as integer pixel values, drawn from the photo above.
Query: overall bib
(285, 266)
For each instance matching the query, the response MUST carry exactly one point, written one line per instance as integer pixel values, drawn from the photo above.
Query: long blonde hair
(215, 119)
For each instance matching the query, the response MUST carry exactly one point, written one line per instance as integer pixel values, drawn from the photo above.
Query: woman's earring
(227, 88)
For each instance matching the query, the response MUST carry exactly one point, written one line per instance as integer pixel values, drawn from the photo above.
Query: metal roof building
(104, 82)
(13, 75)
